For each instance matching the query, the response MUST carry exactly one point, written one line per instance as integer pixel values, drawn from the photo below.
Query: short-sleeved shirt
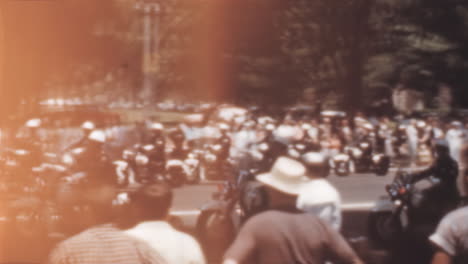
(174, 246)
(452, 235)
(104, 245)
(320, 198)
(276, 237)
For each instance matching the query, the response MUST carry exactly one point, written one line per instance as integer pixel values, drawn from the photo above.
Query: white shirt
(452, 234)
(174, 246)
(320, 198)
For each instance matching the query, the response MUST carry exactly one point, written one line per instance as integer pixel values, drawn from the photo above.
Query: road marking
(357, 206)
(349, 206)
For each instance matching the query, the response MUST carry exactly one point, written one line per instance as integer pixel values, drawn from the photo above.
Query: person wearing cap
(318, 196)
(281, 234)
(149, 207)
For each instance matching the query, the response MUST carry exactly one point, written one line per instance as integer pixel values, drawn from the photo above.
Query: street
(359, 192)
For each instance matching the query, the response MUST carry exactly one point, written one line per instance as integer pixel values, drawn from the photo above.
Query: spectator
(103, 243)
(282, 237)
(150, 205)
(451, 238)
(413, 140)
(318, 196)
(454, 137)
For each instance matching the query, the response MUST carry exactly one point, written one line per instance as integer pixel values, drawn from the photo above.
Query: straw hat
(287, 176)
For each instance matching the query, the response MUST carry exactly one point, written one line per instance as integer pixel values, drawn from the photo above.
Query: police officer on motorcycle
(179, 150)
(443, 196)
(90, 158)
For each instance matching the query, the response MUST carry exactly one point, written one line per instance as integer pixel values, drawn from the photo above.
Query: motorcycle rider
(156, 145)
(31, 143)
(86, 129)
(179, 150)
(443, 196)
(90, 158)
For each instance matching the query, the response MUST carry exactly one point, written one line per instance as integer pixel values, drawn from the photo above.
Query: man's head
(151, 202)
(442, 148)
(284, 182)
(99, 192)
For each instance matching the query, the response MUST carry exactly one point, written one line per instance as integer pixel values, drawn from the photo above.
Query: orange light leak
(209, 69)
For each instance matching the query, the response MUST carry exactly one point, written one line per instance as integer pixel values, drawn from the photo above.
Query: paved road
(359, 192)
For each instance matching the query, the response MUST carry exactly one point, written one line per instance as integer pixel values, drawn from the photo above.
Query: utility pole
(150, 62)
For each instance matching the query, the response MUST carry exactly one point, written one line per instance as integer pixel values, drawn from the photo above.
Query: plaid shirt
(104, 245)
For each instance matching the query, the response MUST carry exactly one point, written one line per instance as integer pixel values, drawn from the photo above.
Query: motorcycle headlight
(341, 157)
(68, 160)
(210, 158)
(141, 160)
(364, 145)
(357, 153)
(376, 158)
(397, 202)
(21, 152)
(294, 153)
(263, 147)
(300, 146)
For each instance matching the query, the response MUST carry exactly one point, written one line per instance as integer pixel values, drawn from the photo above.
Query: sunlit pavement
(359, 193)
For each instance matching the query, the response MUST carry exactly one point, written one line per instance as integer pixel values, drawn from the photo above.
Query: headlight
(141, 159)
(210, 158)
(294, 153)
(148, 147)
(21, 152)
(263, 147)
(341, 157)
(376, 158)
(364, 145)
(357, 153)
(397, 202)
(68, 159)
(300, 146)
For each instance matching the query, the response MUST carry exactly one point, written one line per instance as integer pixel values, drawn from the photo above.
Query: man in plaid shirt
(103, 243)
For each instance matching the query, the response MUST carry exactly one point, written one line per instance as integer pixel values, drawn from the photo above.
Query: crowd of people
(303, 220)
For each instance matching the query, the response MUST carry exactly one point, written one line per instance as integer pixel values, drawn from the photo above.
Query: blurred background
(350, 54)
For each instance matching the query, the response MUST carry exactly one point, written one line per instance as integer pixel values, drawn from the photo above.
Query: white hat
(156, 126)
(36, 122)
(223, 126)
(286, 175)
(88, 125)
(98, 136)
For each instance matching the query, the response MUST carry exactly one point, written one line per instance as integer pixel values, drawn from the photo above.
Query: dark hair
(153, 201)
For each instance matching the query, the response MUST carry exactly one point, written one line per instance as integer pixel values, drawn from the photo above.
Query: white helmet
(156, 126)
(33, 123)
(97, 136)
(88, 125)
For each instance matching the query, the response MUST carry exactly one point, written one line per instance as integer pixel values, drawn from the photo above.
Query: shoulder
(264, 219)
(456, 217)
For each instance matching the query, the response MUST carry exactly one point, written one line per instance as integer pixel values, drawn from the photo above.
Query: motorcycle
(365, 160)
(400, 211)
(220, 220)
(215, 166)
(342, 164)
